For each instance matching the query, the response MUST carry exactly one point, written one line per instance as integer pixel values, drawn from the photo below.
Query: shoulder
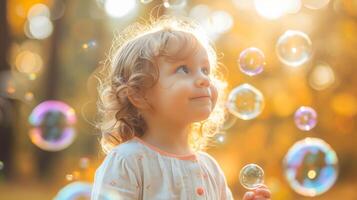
(125, 153)
(210, 160)
(128, 149)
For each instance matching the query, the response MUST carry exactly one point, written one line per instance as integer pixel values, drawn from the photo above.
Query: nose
(203, 81)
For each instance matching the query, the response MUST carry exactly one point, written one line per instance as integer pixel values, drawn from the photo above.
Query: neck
(168, 136)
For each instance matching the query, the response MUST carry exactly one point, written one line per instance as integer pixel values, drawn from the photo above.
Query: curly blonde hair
(131, 68)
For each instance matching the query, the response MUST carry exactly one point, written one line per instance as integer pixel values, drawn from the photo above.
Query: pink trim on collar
(181, 157)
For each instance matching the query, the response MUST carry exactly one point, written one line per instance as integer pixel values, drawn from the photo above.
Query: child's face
(184, 92)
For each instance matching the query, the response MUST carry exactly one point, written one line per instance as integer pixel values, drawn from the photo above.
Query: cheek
(214, 94)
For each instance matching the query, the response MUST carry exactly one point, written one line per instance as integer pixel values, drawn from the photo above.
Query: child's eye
(205, 70)
(182, 68)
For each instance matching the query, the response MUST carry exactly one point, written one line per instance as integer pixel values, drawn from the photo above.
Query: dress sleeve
(224, 190)
(226, 193)
(118, 177)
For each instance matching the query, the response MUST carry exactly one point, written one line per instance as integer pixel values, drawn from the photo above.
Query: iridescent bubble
(311, 167)
(251, 61)
(251, 176)
(82, 190)
(305, 118)
(294, 48)
(75, 190)
(52, 123)
(245, 101)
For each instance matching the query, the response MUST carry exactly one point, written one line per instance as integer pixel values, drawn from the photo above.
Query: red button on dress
(200, 191)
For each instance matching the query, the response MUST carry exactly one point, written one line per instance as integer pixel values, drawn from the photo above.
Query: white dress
(138, 170)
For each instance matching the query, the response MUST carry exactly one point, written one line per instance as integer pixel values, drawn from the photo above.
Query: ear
(139, 101)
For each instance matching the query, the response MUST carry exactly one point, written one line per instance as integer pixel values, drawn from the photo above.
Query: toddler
(159, 108)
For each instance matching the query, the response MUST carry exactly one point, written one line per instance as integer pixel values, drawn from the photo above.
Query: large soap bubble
(52, 123)
(294, 48)
(245, 101)
(311, 167)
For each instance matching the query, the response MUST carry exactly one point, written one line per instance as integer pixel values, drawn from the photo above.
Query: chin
(202, 116)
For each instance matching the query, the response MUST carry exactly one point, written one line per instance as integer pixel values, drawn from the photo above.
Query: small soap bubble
(305, 118)
(245, 102)
(251, 176)
(251, 61)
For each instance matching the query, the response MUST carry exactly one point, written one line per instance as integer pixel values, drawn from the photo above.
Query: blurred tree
(6, 114)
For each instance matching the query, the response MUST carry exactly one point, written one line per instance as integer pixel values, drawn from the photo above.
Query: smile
(202, 98)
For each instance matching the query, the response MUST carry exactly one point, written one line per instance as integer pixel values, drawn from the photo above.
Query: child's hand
(261, 193)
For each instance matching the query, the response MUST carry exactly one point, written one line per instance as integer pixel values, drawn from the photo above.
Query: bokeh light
(175, 4)
(52, 123)
(294, 48)
(311, 167)
(220, 138)
(274, 9)
(28, 62)
(322, 77)
(315, 4)
(119, 8)
(84, 162)
(146, 1)
(251, 176)
(213, 22)
(245, 102)
(40, 27)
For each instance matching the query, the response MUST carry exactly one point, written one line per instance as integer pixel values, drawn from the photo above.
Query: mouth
(201, 97)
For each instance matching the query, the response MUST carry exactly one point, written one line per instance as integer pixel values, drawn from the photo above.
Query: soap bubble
(251, 61)
(75, 190)
(245, 101)
(305, 118)
(294, 48)
(251, 176)
(311, 167)
(52, 123)
(82, 190)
